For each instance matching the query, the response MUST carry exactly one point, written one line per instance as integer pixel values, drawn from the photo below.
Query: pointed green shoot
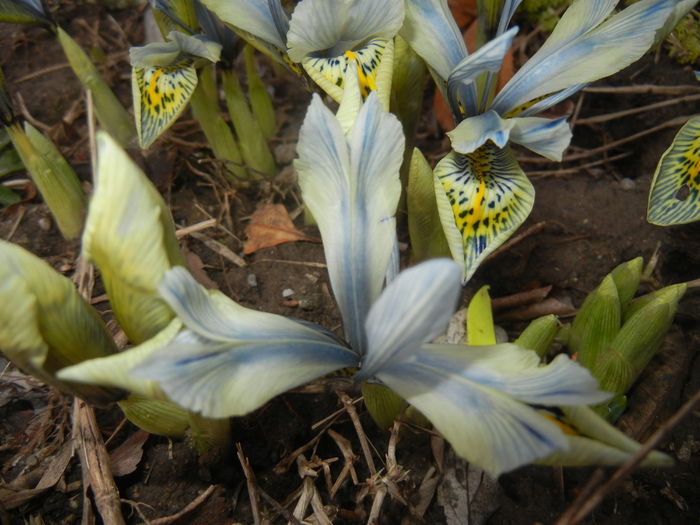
(596, 324)
(424, 226)
(110, 113)
(155, 416)
(205, 109)
(626, 277)
(254, 148)
(480, 329)
(260, 101)
(55, 179)
(539, 335)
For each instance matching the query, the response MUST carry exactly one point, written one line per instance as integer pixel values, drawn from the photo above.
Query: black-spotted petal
(160, 96)
(675, 190)
(373, 64)
(482, 198)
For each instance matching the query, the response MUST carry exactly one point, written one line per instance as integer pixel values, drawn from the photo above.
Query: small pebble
(627, 184)
(306, 304)
(285, 153)
(45, 223)
(287, 292)
(252, 280)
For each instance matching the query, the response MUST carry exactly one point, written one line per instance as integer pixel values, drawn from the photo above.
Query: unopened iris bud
(45, 325)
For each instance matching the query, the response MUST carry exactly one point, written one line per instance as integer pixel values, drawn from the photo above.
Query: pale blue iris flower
(229, 360)
(323, 37)
(483, 194)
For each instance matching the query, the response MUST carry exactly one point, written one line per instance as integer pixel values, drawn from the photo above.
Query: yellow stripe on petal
(675, 190)
(160, 95)
(490, 197)
(329, 73)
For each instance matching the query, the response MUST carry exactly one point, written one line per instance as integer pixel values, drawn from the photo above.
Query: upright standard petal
(432, 32)
(489, 197)
(332, 28)
(231, 377)
(413, 309)
(461, 84)
(351, 186)
(254, 21)
(130, 236)
(470, 395)
(585, 49)
(674, 197)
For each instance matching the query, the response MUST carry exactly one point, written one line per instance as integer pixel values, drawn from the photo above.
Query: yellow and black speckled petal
(160, 95)
(329, 73)
(489, 196)
(675, 190)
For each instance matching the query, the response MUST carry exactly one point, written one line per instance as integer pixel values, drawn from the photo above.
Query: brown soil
(594, 218)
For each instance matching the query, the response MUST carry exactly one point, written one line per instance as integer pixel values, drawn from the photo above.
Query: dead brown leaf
(125, 458)
(270, 225)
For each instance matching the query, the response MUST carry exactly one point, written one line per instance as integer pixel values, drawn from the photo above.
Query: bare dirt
(587, 219)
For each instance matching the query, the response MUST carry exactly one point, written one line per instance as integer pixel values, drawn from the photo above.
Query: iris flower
(228, 360)
(483, 194)
(323, 37)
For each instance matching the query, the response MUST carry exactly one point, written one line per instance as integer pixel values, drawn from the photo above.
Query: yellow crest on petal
(329, 73)
(489, 196)
(675, 191)
(160, 95)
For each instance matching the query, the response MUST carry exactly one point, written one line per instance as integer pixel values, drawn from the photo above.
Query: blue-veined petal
(469, 393)
(474, 132)
(214, 316)
(413, 309)
(115, 370)
(585, 50)
(331, 28)
(255, 23)
(461, 92)
(432, 33)
(218, 377)
(351, 186)
(489, 197)
(547, 137)
(517, 372)
(675, 189)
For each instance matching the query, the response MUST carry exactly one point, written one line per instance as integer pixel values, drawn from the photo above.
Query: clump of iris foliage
(199, 350)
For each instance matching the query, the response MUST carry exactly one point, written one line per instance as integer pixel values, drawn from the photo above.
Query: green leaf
(626, 277)
(55, 179)
(382, 403)
(424, 226)
(7, 196)
(260, 101)
(539, 334)
(205, 108)
(480, 329)
(254, 148)
(108, 110)
(596, 324)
